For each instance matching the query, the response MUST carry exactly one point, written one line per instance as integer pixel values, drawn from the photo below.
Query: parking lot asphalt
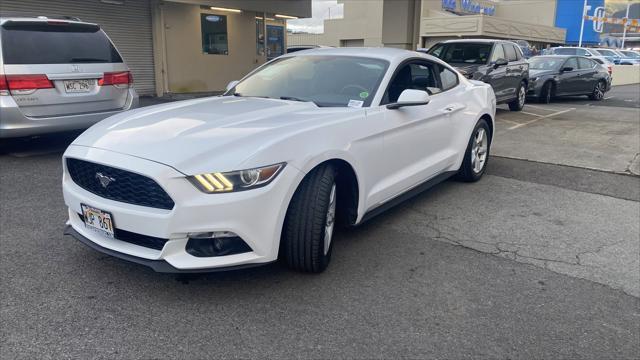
(540, 259)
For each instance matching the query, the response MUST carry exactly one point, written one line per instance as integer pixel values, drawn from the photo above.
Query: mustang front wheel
(308, 226)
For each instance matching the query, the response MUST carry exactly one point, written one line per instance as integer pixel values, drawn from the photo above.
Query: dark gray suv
(499, 63)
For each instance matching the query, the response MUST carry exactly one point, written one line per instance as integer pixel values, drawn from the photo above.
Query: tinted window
(582, 52)
(498, 53)
(585, 63)
(545, 63)
(510, 52)
(214, 34)
(572, 63)
(326, 80)
(448, 78)
(565, 51)
(518, 52)
(606, 52)
(417, 76)
(41, 43)
(462, 53)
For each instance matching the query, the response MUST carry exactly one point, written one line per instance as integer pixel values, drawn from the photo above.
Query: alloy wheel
(598, 92)
(521, 96)
(479, 150)
(331, 219)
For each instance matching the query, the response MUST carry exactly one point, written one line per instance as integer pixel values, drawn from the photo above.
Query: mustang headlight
(233, 181)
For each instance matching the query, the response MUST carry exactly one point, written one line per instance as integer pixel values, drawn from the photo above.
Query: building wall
(542, 12)
(188, 69)
(362, 21)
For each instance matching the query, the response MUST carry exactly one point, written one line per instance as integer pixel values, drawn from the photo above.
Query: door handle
(449, 109)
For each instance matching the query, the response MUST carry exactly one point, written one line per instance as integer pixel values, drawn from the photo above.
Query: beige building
(177, 46)
(420, 23)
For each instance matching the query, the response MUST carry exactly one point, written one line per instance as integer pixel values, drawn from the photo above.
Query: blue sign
(468, 6)
(569, 16)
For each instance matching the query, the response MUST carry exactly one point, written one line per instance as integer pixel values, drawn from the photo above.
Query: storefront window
(259, 35)
(214, 34)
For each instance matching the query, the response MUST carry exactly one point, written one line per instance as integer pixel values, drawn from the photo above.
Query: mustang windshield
(545, 63)
(324, 80)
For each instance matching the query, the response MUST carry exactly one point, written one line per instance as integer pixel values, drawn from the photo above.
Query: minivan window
(62, 43)
(462, 53)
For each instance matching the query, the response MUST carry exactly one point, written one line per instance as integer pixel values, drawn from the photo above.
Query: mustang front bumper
(256, 216)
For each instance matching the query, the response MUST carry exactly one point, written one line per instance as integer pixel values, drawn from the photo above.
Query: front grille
(135, 238)
(121, 185)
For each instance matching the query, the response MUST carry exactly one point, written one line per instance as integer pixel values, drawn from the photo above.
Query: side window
(581, 52)
(448, 78)
(510, 52)
(572, 63)
(518, 52)
(419, 75)
(585, 63)
(498, 53)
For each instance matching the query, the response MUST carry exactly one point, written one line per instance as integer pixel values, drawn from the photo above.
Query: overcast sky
(320, 10)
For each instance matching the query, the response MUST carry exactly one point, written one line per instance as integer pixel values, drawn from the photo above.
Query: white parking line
(509, 121)
(540, 118)
(538, 107)
(528, 113)
(608, 97)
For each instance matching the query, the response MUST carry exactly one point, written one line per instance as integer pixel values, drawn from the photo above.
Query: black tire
(546, 94)
(467, 172)
(303, 233)
(598, 91)
(518, 103)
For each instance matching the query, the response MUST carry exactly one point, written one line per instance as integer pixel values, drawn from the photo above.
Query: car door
(569, 79)
(417, 139)
(496, 76)
(513, 71)
(588, 75)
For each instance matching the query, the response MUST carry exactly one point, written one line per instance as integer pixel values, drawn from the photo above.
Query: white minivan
(59, 74)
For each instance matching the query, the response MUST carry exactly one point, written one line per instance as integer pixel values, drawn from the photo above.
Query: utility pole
(624, 27)
(584, 13)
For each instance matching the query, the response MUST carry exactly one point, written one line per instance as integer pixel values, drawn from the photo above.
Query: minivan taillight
(116, 78)
(4, 87)
(27, 82)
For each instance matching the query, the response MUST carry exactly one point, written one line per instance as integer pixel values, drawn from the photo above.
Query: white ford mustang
(305, 141)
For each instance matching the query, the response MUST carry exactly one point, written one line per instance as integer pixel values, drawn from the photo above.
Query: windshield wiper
(293, 98)
(87, 59)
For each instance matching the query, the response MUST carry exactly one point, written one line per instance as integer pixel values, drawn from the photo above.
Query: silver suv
(58, 75)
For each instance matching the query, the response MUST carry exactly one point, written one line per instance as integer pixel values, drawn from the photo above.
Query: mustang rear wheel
(477, 154)
(308, 226)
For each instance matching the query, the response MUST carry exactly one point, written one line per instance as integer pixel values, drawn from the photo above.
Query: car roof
(384, 53)
(487, 41)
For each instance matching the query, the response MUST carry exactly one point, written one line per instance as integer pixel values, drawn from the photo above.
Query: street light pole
(624, 27)
(584, 13)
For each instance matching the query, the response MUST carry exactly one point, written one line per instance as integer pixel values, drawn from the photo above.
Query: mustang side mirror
(410, 97)
(232, 84)
(566, 68)
(500, 62)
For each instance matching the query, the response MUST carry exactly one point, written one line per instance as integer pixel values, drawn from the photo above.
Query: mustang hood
(218, 132)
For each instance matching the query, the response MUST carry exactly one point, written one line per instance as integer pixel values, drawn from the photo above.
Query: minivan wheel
(476, 156)
(545, 93)
(310, 220)
(598, 91)
(518, 103)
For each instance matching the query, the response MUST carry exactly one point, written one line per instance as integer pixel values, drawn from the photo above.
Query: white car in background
(266, 170)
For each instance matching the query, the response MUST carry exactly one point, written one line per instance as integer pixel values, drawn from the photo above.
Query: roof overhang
(297, 8)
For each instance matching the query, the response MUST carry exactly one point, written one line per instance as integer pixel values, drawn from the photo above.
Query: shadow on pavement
(38, 145)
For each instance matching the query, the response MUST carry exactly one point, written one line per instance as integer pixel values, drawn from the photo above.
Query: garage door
(127, 22)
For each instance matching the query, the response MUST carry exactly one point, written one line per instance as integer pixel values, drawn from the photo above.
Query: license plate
(78, 86)
(98, 220)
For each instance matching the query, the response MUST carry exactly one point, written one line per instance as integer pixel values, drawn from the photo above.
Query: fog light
(218, 243)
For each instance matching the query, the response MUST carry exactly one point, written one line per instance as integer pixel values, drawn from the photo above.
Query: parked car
(57, 75)
(561, 75)
(610, 54)
(525, 47)
(266, 170)
(606, 64)
(497, 62)
(630, 59)
(578, 51)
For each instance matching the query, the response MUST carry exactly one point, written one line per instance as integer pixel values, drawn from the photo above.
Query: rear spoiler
(50, 25)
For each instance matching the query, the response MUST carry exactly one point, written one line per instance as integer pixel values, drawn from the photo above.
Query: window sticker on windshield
(355, 103)
(364, 95)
